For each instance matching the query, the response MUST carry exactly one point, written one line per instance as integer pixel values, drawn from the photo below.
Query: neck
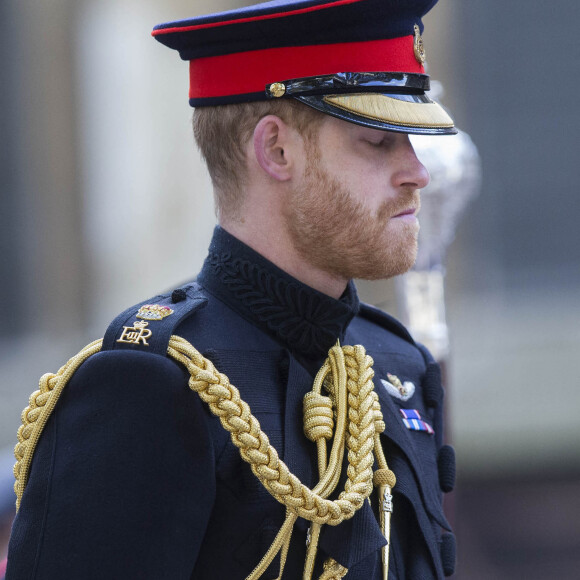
(301, 318)
(274, 243)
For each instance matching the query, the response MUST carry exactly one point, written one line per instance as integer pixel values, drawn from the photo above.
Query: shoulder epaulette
(385, 320)
(150, 324)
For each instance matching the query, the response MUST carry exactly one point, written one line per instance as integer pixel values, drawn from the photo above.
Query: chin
(394, 260)
(404, 266)
(384, 265)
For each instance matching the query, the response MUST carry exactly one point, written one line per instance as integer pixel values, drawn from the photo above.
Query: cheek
(372, 177)
(375, 194)
(365, 175)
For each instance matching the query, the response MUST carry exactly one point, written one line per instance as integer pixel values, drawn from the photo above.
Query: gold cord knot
(318, 421)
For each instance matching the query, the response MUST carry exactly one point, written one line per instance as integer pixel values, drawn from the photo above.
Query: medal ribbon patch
(412, 420)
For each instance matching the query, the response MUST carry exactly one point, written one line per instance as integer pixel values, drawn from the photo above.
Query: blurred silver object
(455, 169)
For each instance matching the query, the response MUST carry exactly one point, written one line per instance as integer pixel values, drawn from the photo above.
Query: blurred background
(104, 201)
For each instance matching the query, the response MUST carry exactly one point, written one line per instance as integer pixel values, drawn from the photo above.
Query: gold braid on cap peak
(346, 375)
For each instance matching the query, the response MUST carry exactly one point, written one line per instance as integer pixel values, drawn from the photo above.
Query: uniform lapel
(353, 540)
(394, 428)
(403, 438)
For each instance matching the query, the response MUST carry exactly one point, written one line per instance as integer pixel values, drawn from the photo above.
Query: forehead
(335, 128)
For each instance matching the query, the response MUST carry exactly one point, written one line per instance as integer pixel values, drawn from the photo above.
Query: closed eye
(383, 142)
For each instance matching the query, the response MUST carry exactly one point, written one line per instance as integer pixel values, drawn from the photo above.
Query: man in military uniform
(176, 446)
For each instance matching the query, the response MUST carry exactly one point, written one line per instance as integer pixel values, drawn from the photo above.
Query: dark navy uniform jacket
(134, 477)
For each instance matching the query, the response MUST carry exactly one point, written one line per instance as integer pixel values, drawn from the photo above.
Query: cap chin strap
(347, 377)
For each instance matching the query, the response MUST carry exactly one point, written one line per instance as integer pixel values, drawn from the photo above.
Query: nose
(410, 172)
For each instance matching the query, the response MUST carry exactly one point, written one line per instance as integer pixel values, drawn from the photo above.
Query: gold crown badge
(154, 312)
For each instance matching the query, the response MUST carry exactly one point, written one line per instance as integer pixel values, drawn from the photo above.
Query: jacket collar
(300, 318)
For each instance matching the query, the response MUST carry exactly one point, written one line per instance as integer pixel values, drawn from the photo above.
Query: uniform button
(178, 295)
(432, 389)
(446, 468)
(448, 551)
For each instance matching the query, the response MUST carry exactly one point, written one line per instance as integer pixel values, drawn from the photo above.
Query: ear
(274, 147)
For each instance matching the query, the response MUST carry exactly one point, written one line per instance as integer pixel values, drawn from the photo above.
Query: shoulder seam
(385, 320)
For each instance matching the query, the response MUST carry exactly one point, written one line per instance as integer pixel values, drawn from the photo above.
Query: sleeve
(122, 482)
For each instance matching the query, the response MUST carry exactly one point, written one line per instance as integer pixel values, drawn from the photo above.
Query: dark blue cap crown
(315, 51)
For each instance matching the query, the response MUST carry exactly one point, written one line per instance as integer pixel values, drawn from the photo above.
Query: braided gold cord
(35, 416)
(356, 412)
(315, 418)
(224, 401)
(317, 424)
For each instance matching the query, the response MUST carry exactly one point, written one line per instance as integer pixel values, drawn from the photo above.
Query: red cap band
(250, 72)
